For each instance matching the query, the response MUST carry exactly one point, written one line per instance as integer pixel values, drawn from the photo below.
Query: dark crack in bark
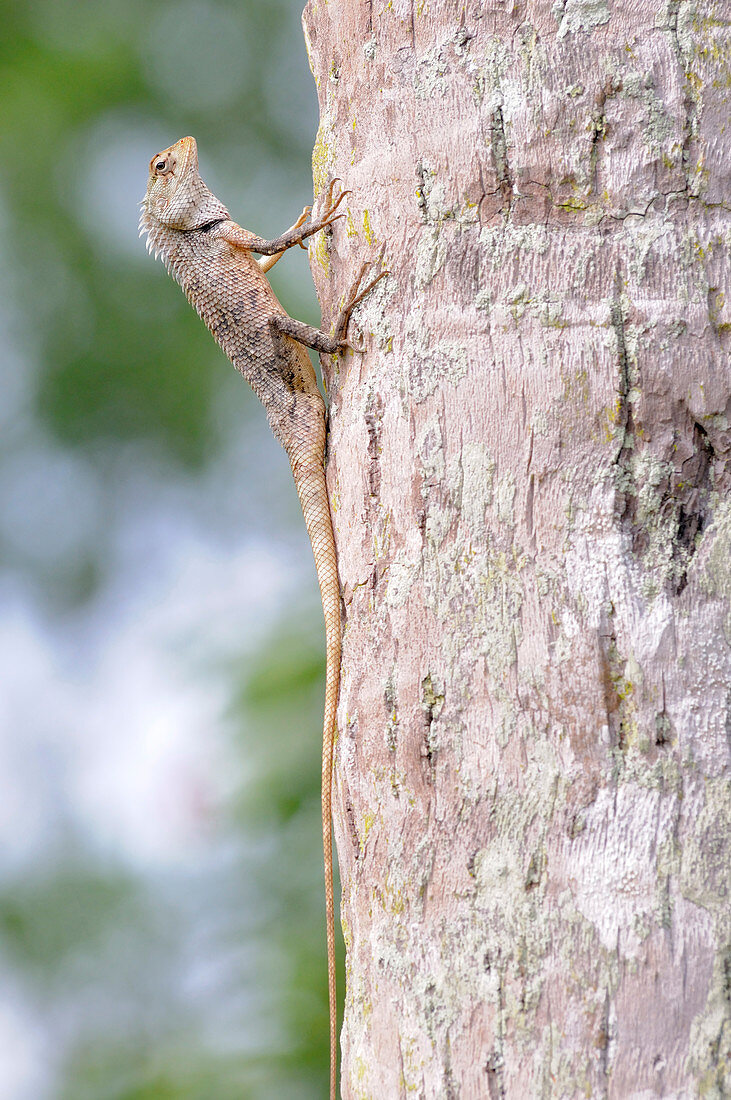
(432, 702)
(663, 496)
(373, 420)
(499, 149)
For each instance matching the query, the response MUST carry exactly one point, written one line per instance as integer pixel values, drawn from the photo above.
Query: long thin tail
(312, 490)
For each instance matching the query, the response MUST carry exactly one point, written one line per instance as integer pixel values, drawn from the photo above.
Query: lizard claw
(332, 206)
(328, 215)
(358, 295)
(331, 188)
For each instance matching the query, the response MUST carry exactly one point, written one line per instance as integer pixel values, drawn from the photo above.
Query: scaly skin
(211, 257)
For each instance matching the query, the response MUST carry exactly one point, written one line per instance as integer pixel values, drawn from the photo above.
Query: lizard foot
(328, 216)
(356, 296)
(324, 342)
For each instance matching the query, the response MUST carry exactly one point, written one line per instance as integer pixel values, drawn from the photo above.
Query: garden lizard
(211, 257)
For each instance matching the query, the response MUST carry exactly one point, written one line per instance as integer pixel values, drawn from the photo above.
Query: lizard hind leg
(284, 325)
(315, 338)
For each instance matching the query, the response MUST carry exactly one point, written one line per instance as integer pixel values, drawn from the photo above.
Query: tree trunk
(527, 470)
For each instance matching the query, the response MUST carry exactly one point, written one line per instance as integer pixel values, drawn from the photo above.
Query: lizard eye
(163, 165)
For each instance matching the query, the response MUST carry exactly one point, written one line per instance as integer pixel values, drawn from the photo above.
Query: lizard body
(210, 256)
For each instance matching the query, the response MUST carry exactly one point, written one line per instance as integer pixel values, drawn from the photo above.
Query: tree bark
(528, 470)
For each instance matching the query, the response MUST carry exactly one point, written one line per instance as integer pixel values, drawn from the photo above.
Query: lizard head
(176, 195)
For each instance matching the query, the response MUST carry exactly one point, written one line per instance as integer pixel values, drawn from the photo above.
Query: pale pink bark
(529, 482)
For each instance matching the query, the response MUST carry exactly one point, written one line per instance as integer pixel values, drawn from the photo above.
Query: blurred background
(161, 643)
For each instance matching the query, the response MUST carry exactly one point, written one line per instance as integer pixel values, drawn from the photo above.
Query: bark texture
(529, 475)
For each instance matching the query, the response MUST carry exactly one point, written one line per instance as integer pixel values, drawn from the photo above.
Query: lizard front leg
(242, 238)
(315, 338)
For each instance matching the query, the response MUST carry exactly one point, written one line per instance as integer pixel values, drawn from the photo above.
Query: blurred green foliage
(106, 365)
